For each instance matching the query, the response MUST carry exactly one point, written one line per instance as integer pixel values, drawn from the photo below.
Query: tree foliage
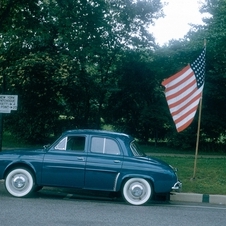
(213, 120)
(216, 72)
(60, 57)
(89, 63)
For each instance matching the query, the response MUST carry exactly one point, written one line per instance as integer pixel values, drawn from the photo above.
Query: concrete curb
(199, 198)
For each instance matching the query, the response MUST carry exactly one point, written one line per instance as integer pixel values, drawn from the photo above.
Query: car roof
(98, 132)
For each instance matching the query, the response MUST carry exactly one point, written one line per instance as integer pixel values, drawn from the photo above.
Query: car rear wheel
(19, 182)
(137, 191)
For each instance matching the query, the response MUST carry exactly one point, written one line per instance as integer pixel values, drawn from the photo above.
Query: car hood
(23, 151)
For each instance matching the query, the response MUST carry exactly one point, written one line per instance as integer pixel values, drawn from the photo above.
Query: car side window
(71, 143)
(104, 146)
(62, 144)
(76, 143)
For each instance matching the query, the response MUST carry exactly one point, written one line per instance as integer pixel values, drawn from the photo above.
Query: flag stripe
(185, 112)
(185, 101)
(175, 78)
(184, 125)
(177, 96)
(185, 108)
(179, 83)
(181, 89)
(183, 92)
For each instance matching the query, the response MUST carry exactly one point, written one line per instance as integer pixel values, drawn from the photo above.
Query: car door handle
(81, 158)
(117, 161)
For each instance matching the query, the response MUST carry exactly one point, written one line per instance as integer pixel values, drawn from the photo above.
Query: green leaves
(61, 58)
(77, 64)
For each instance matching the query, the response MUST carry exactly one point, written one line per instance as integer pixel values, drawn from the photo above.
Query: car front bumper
(177, 186)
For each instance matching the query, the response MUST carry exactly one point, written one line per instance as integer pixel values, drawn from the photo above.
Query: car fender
(17, 164)
(123, 178)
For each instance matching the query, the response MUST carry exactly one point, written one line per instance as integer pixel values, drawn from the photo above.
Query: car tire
(19, 182)
(137, 191)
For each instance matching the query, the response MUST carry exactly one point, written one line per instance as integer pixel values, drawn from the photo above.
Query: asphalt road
(64, 207)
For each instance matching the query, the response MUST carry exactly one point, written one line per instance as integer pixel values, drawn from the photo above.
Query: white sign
(8, 103)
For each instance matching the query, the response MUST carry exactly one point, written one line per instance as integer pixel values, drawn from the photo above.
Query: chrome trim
(173, 168)
(116, 180)
(177, 186)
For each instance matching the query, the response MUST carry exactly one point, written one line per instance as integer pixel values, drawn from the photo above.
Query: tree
(179, 53)
(71, 48)
(213, 122)
(135, 106)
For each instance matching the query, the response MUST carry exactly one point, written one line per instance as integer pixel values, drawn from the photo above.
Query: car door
(64, 164)
(104, 163)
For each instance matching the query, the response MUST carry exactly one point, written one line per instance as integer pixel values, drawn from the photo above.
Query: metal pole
(198, 131)
(197, 140)
(1, 130)
(1, 114)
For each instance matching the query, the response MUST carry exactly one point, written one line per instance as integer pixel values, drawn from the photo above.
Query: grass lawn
(210, 176)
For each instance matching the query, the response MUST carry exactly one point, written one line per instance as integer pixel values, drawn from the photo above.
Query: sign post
(7, 104)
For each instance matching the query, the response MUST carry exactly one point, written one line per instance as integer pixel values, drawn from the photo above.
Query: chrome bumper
(177, 186)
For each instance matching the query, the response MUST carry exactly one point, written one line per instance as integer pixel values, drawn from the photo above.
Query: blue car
(92, 160)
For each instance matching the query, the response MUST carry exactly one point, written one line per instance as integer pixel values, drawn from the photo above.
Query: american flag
(184, 90)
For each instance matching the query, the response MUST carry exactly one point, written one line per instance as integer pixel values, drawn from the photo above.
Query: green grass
(210, 174)
(210, 177)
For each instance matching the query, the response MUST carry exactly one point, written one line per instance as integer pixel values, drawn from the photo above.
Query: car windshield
(136, 150)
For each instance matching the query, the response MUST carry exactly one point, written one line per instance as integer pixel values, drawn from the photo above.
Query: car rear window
(136, 150)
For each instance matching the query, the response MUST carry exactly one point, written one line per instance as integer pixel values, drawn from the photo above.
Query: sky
(179, 13)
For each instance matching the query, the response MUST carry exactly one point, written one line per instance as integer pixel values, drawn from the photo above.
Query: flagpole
(197, 139)
(198, 131)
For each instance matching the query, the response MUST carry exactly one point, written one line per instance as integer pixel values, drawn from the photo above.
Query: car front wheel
(137, 191)
(19, 182)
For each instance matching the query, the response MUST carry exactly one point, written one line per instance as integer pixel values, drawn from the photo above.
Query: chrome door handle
(81, 158)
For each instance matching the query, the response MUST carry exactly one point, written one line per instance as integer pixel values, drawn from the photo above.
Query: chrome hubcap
(19, 182)
(137, 190)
